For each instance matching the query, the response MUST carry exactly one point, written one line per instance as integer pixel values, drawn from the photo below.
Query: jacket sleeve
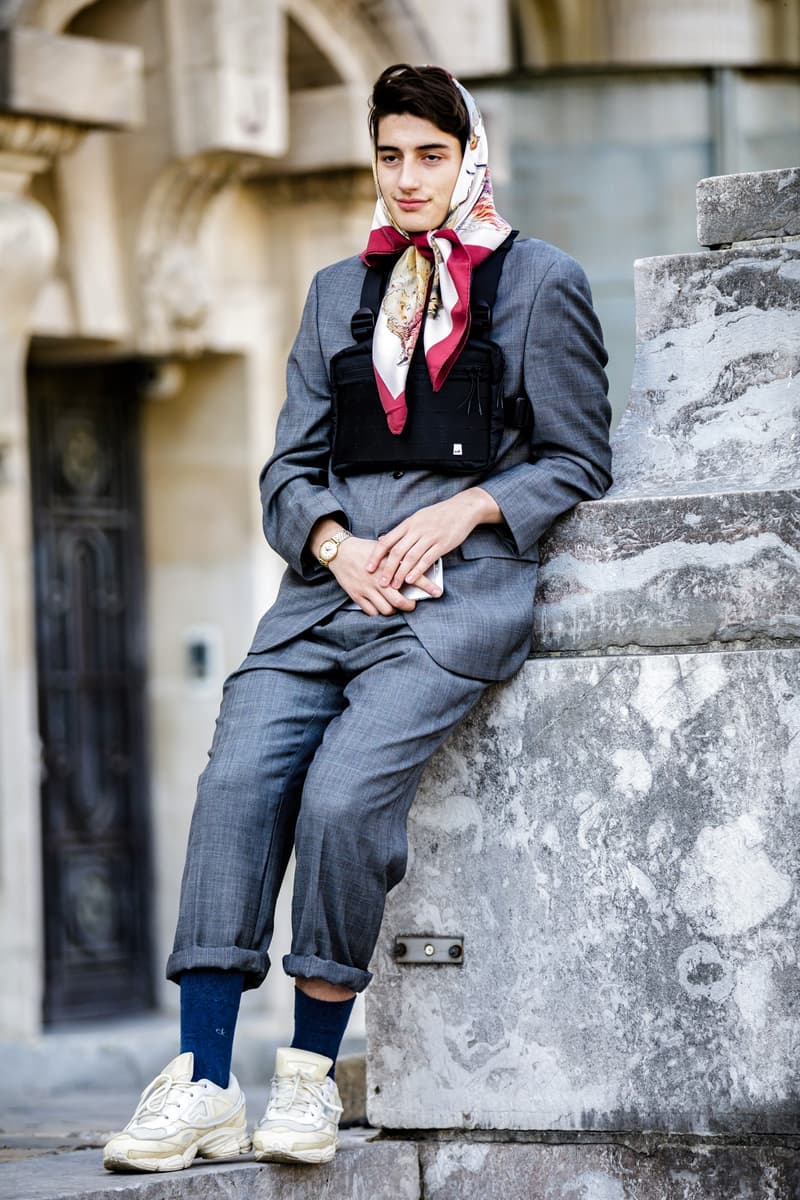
(294, 482)
(564, 379)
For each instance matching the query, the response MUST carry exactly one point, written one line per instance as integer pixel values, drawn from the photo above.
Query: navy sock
(319, 1025)
(209, 1008)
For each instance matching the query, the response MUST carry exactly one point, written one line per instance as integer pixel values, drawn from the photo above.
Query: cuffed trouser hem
(308, 966)
(251, 963)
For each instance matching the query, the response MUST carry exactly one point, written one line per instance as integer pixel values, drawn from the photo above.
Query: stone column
(28, 244)
(615, 833)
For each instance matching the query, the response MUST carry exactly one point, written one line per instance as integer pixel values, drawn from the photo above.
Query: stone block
(472, 36)
(71, 79)
(379, 1170)
(715, 398)
(737, 208)
(351, 1082)
(228, 77)
(671, 571)
(617, 840)
(335, 135)
(463, 1170)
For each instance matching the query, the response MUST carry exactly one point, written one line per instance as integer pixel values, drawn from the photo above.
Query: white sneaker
(303, 1111)
(176, 1119)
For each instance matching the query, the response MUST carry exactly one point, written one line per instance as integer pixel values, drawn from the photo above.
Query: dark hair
(428, 92)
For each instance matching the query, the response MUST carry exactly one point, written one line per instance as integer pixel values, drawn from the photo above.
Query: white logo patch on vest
(457, 448)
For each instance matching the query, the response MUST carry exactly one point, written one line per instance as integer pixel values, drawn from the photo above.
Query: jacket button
(398, 474)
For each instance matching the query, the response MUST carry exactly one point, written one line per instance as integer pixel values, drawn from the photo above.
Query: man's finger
(423, 562)
(408, 564)
(384, 605)
(391, 536)
(377, 557)
(404, 603)
(427, 586)
(400, 561)
(389, 575)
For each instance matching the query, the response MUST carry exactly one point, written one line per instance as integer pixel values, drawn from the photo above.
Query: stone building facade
(171, 174)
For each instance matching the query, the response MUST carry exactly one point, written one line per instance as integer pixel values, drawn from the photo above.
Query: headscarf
(472, 231)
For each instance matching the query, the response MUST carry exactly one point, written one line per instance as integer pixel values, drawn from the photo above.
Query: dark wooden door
(84, 436)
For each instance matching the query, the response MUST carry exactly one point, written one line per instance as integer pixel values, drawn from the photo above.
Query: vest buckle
(362, 326)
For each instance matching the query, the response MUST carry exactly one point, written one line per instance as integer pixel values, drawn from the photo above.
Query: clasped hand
(372, 572)
(355, 573)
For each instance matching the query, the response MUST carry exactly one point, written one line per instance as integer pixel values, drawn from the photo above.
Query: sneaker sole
(216, 1146)
(280, 1154)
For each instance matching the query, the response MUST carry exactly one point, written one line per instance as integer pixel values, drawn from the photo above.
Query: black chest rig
(456, 430)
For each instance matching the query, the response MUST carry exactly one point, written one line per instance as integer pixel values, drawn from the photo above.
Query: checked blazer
(481, 627)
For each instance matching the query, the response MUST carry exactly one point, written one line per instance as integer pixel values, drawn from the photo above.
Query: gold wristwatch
(330, 547)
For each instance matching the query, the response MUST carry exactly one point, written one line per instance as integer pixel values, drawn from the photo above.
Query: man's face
(417, 166)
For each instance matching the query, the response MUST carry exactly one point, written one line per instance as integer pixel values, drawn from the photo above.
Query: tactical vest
(456, 430)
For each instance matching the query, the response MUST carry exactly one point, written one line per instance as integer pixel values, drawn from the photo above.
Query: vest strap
(485, 282)
(372, 290)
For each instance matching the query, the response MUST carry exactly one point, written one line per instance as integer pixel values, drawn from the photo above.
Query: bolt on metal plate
(429, 948)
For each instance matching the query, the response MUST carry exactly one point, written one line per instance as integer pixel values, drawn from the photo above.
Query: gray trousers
(319, 744)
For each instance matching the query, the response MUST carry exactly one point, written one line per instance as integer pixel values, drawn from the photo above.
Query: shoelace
(298, 1092)
(157, 1096)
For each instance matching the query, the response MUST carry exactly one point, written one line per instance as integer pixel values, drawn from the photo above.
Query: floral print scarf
(439, 306)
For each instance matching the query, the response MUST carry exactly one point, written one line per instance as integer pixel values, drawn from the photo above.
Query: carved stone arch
(51, 16)
(541, 31)
(308, 66)
(361, 37)
(329, 29)
(555, 32)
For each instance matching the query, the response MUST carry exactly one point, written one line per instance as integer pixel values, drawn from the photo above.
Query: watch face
(327, 550)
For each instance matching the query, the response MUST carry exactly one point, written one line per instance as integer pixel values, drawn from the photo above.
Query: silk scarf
(429, 286)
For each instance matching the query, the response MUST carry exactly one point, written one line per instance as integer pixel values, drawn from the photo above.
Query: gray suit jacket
(482, 625)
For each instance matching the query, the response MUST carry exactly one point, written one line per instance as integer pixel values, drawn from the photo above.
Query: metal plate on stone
(433, 948)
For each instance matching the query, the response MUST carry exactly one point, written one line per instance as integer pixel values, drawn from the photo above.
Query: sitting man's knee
(239, 775)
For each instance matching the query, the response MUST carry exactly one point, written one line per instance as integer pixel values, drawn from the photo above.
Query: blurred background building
(172, 172)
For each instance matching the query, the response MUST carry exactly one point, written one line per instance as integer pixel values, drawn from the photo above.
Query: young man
(351, 684)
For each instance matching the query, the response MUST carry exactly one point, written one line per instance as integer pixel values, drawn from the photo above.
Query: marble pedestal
(617, 839)
(614, 833)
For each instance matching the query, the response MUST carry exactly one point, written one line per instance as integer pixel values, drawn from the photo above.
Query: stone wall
(615, 833)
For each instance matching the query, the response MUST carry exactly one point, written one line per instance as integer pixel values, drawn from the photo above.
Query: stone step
(737, 208)
(460, 1169)
(670, 571)
(469, 1170)
(381, 1171)
(715, 396)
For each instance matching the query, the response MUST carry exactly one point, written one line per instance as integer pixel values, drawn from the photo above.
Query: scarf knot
(388, 242)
